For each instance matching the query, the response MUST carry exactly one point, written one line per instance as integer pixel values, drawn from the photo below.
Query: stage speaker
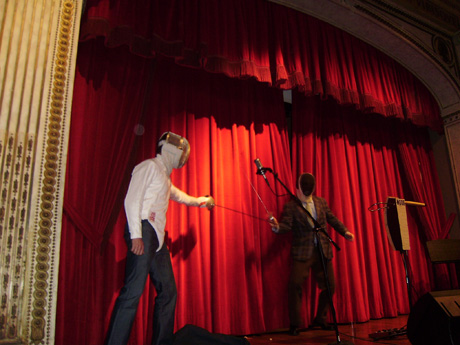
(435, 319)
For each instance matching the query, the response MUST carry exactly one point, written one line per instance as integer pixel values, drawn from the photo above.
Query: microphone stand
(317, 228)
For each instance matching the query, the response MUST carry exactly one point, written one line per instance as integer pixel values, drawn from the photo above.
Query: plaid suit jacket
(295, 219)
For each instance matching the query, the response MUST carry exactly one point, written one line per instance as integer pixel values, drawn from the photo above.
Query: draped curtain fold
(417, 161)
(320, 59)
(270, 43)
(107, 103)
(220, 257)
(229, 37)
(356, 163)
(231, 270)
(112, 83)
(228, 123)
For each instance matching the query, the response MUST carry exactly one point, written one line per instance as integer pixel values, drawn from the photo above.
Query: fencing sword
(266, 209)
(240, 212)
(247, 214)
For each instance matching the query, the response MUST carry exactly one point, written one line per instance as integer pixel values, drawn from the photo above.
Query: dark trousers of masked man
(299, 273)
(158, 266)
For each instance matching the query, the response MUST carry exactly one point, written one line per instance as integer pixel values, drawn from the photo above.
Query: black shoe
(293, 331)
(323, 325)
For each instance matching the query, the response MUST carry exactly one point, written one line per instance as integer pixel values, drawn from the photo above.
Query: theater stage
(356, 333)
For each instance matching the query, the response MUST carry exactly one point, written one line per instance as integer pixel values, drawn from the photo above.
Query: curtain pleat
(270, 43)
(228, 123)
(228, 37)
(356, 162)
(417, 161)
(320, 59)
(231, 270)
(107, 106)
(219, 257)
(110, 87)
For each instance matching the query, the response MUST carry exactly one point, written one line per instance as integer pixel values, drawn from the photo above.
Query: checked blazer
(294, 219)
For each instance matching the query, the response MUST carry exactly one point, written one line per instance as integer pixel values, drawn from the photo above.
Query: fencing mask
(175, 147)
(306, 184)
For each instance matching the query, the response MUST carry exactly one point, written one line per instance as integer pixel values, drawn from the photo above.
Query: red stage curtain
(109, 90)
(257, 38)
(357, 163)
(320, 59)
(230, 269)
(112, 83)
(229, 37)
(418, 162)
(222, 259)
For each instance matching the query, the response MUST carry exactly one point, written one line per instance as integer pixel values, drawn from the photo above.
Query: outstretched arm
(287, 220)
(349, 236)
(183, 198)
(337, 224)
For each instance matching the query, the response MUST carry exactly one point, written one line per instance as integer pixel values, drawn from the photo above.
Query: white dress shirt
(148, 196)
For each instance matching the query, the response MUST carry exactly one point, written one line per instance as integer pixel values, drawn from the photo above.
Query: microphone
(260, 170)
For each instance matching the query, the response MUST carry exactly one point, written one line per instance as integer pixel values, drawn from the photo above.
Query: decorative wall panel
(452, 130)
(37, 62)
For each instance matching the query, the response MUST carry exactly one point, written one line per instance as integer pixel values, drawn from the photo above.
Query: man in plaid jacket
(304, 251)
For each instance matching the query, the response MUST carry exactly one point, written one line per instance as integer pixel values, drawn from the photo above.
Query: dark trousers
(299, 273)
(158, 266)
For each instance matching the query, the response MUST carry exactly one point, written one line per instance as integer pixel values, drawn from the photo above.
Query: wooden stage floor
(356, 333)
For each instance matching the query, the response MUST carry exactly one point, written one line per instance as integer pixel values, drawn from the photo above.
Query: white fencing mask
(175, 147)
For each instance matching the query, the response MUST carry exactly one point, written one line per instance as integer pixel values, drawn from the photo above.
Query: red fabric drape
(230, 269)
(356, 162)
(219, 257)
(229, 37)
(108, 96)
(321, 59)
(417, 160)
(112, 83)
(255, 38)
(223, 256)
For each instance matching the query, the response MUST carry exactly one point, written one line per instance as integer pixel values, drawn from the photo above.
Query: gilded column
(38, 47)
(452, 132)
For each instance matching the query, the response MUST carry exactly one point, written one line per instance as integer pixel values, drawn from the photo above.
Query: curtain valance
(269, 42)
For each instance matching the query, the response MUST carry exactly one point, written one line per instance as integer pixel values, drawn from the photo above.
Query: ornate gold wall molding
(445, 13)
(431, 38)
(452, 132)
(16, 156)
(37, 62)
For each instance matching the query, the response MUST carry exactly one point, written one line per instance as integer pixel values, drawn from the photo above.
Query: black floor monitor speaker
(435, 319)
(194, 335)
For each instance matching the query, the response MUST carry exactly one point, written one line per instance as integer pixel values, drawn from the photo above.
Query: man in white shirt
(146, 204)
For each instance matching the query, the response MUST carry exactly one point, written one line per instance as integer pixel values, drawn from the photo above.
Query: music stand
(398, 231)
